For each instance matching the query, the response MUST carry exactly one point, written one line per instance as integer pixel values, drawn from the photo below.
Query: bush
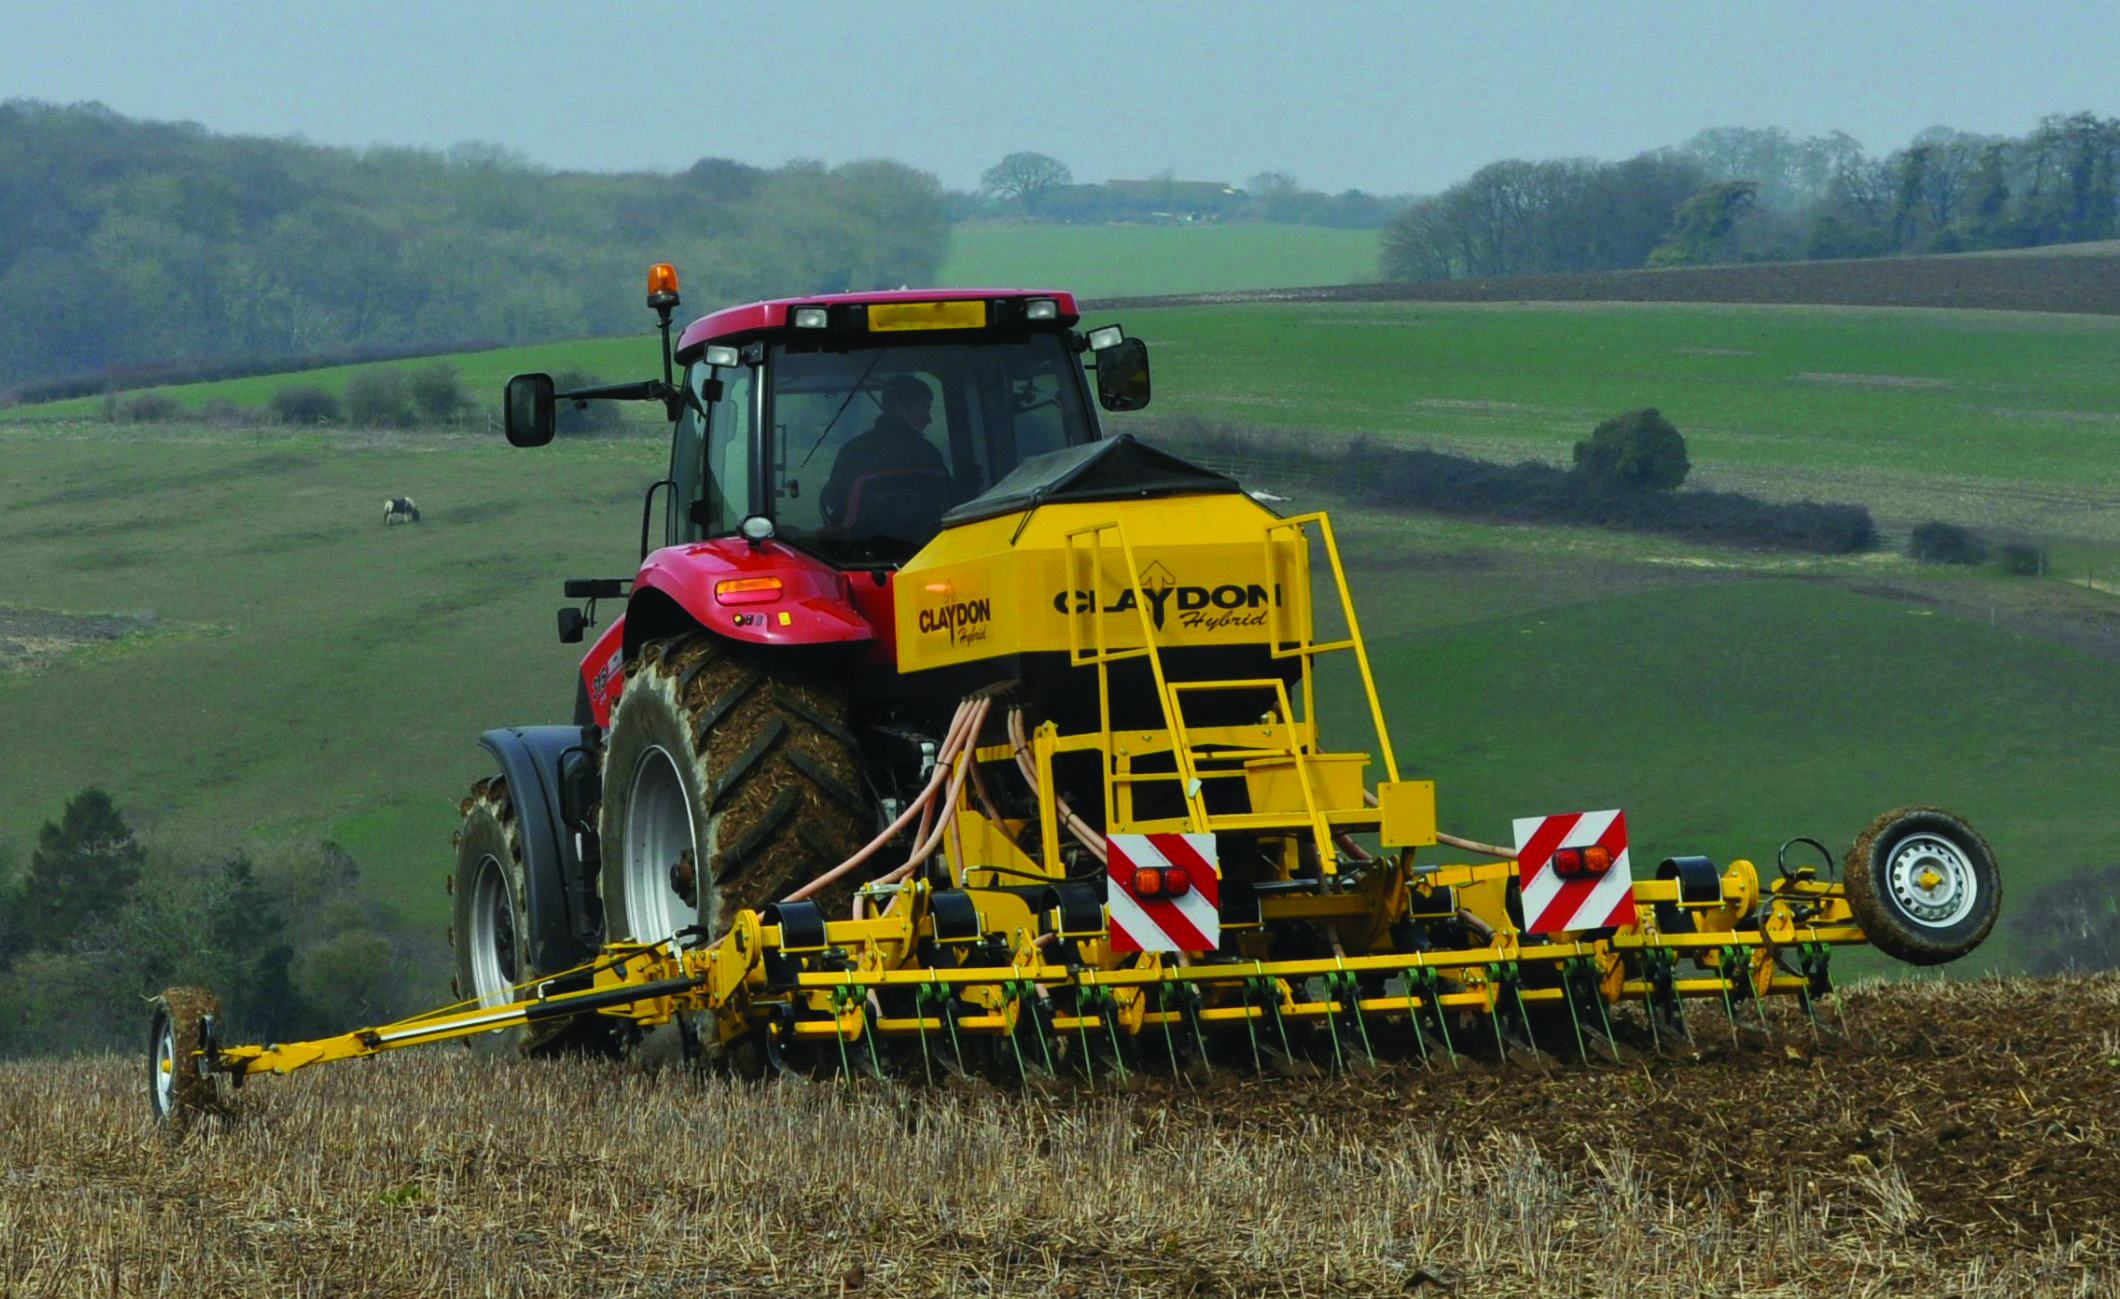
(379, 399)
(2023, 559)
(589, 420)
(299, 404)
(1640, 450)
(2073, 924)
(1946, 543)
(437, 393)
(140, 408)
(223, 413)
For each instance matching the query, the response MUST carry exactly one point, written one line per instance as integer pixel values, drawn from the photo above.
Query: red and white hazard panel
(1573, 871)
(1165, 893)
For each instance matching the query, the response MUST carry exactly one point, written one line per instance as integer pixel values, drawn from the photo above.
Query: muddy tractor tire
(730, 778)
(1923, 884)
(490, 927)
(177, 1089)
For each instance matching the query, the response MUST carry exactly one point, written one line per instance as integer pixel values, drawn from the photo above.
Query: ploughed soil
(2082, 283)
(1997, 1102)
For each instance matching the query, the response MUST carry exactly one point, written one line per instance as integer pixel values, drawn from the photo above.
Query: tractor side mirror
(1122, 375)
(529, 411)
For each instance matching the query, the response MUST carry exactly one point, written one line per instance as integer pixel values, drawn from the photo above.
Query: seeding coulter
(980, 742)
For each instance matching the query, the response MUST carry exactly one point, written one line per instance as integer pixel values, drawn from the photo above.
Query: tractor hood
(1116, 469)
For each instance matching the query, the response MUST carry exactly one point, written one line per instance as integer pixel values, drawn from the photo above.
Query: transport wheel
(730, 778)
(1923, 885)
(176, 1088)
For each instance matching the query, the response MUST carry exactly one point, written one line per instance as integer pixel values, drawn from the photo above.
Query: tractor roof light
(662, 285)
(721, 357)
(809, 318)
(747, 590)
(1107, 337)
(1041, 309)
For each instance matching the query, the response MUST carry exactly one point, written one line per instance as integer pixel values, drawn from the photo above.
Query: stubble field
(1923, 1139)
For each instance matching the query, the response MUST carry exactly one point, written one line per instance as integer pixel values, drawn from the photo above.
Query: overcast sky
(1390, 98)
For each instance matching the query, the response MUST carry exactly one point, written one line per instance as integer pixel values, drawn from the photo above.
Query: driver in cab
(890, 481)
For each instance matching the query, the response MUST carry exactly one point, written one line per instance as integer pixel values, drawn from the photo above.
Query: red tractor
(942, 732)
(745, 723)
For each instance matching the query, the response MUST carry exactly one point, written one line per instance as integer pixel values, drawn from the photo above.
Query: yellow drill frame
(758, 979)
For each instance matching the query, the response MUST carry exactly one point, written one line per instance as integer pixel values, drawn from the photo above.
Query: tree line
(1743, 194)
(99, 920)
(128, 243)
(1043, 188)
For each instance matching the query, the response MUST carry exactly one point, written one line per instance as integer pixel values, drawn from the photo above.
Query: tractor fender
(602, 676)
(812, 605)
(559, 859)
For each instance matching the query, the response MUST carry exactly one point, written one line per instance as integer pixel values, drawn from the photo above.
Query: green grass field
(310, 672)
(1118, 261)
(1983, 396)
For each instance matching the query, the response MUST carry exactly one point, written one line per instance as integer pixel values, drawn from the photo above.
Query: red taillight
(747, 590)
(1161, 882)
(1581, 863)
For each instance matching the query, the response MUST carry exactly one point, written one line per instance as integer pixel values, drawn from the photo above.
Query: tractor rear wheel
(1923, 884)
(730, 778)
(176, 1087)
(490, 931)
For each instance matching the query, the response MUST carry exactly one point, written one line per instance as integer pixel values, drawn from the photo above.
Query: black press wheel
(177, 1088)
(1923, 885)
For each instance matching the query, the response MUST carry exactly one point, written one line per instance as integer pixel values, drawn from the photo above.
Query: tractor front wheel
(1923, 884)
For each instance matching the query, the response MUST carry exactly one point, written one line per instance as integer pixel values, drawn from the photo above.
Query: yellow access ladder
(1292, 785)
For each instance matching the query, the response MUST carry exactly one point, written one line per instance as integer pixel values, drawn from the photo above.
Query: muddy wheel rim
(165, 1067)
(492, 934)
(1932, 881)
(658, 831)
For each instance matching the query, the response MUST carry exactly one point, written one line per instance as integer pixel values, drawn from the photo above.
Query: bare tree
(1026, 177)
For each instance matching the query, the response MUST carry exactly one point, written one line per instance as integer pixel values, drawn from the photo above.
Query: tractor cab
(852, 424)
(846, 425)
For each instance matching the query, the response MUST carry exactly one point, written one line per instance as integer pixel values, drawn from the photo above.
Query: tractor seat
(902, 504)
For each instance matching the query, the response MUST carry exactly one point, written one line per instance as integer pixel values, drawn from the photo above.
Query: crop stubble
(1956, 1143)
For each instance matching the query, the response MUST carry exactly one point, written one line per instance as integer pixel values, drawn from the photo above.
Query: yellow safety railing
(1218, 753)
